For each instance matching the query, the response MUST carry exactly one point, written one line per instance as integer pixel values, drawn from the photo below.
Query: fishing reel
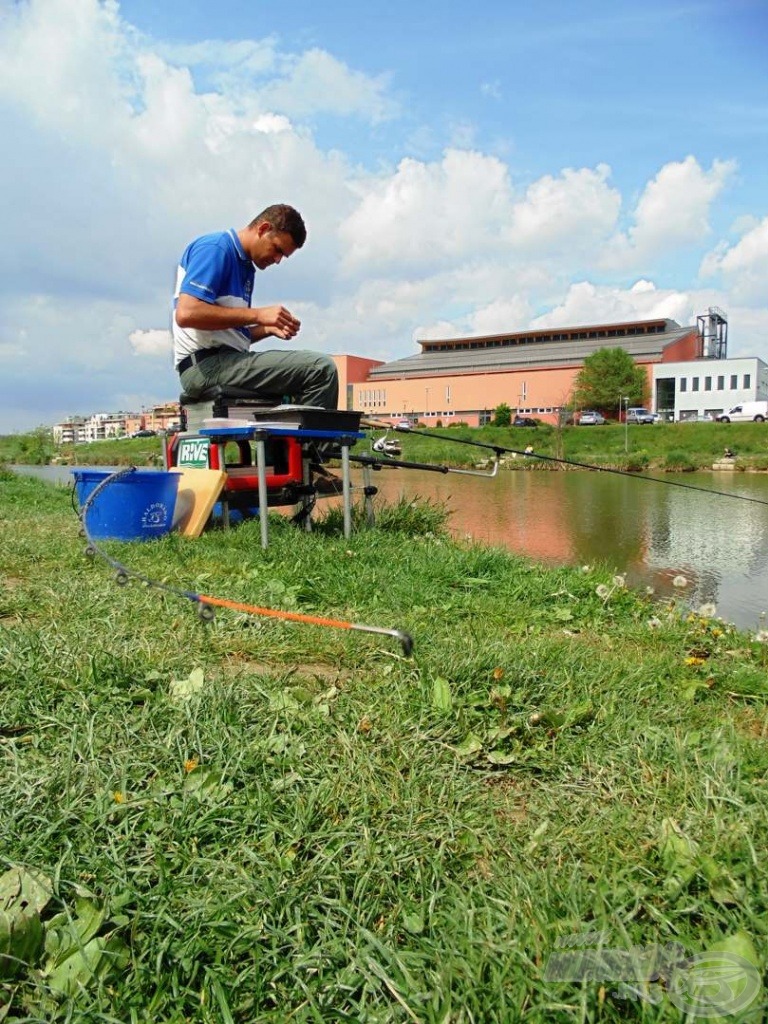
(387, 446)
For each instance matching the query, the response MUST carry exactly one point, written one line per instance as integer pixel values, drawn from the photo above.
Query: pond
(651, 531)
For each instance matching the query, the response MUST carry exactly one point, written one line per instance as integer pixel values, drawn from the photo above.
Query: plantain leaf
(441, 695)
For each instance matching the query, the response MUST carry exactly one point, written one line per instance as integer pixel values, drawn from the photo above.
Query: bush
(636, 462)
(678, 462)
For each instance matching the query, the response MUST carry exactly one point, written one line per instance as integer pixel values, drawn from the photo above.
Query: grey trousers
(306, 378)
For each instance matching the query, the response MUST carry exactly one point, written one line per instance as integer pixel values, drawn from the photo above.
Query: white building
(707, 387)
(103, 425)
(71, 431)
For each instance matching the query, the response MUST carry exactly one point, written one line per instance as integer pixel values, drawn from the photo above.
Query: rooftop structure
(647, 341)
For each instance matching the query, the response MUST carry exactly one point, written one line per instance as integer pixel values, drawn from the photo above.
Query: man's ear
(263, 228)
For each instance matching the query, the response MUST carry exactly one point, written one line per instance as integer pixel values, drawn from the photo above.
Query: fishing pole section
(499, 450)
(207, 603)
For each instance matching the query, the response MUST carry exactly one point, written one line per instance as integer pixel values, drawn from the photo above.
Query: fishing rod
(430, 467)
(207, 602)
(500, 450)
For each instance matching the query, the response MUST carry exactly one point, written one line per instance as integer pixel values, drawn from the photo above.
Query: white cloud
(317, 82)
(586, 304)
(151, 343)
(463, 208)
(744, 265)
(428, 213)
(575, 211)
(672, 212)
(512, 314)
(492, 89)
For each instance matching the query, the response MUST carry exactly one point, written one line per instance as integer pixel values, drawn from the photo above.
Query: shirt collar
(238, 246)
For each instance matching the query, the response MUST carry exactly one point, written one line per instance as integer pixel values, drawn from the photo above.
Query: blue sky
(471, 170)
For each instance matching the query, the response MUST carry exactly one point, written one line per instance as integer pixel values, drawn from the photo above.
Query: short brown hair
(283, 218)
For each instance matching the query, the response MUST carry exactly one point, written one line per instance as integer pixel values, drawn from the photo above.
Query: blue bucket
(136, 506)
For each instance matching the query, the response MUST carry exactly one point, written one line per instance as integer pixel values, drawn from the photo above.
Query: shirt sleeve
(205, 270)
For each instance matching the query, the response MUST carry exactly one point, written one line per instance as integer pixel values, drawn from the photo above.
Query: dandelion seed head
(602, 591)
(654, 623)
(708, 610)
(679, 581)
(619, 581)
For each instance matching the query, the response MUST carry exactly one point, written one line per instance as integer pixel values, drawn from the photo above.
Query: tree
(502, 416)
(607, 376)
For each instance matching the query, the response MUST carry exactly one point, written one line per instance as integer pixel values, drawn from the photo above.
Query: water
(650, 531)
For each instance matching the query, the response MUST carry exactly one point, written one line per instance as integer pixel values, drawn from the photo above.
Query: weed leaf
(441, 695)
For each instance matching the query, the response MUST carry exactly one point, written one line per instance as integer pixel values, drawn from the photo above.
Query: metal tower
(713, 334)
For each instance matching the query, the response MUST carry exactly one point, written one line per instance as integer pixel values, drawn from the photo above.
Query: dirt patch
(302, 672)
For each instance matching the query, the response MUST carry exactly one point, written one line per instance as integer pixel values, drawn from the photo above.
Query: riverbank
(262, 821)
(665, 447)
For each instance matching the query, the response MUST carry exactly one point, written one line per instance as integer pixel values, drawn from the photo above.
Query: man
(214, 323)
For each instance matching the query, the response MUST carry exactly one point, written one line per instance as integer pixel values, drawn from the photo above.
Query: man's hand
(277, 321)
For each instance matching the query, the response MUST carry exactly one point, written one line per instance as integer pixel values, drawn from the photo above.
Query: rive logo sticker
(193, 452)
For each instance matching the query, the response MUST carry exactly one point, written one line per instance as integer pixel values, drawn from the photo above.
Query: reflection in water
(651, 531)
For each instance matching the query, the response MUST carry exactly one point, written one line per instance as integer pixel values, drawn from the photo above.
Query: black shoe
(328, 485)
(325, 482)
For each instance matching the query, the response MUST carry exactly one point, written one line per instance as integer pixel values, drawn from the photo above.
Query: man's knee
(326, 366)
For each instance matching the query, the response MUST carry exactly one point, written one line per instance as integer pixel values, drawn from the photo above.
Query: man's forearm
(206, 316)
(261, 320)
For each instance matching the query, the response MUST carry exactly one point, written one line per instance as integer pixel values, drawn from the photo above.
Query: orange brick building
(465, 379)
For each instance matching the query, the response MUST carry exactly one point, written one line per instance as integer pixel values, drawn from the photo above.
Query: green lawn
(255, 820)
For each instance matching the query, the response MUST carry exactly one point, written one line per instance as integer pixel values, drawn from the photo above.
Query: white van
(756, 411)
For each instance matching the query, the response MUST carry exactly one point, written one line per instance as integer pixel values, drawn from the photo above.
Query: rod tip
(406, 642)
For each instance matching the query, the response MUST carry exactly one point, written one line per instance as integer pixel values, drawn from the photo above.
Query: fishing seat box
(285, 455)
(231, 403)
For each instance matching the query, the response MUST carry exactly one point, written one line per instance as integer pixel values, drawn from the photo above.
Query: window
(683, 384)
(734, 382)
(720, 383)
(695, 384)
(707, 383)
(747, 380)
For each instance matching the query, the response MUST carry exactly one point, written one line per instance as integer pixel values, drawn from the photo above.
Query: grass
(257, 821)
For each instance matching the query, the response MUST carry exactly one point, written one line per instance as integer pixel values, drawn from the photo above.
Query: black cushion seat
(223, 392)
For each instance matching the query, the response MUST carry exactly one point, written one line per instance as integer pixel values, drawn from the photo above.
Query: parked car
(637, 414)
(589, 418)
(754, 411)
(403, 425)
(524, 421)
(144, 433)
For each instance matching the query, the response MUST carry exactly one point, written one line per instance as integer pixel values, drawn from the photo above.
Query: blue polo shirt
(215, 269)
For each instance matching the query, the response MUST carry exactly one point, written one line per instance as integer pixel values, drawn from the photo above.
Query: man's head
(273, 235)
